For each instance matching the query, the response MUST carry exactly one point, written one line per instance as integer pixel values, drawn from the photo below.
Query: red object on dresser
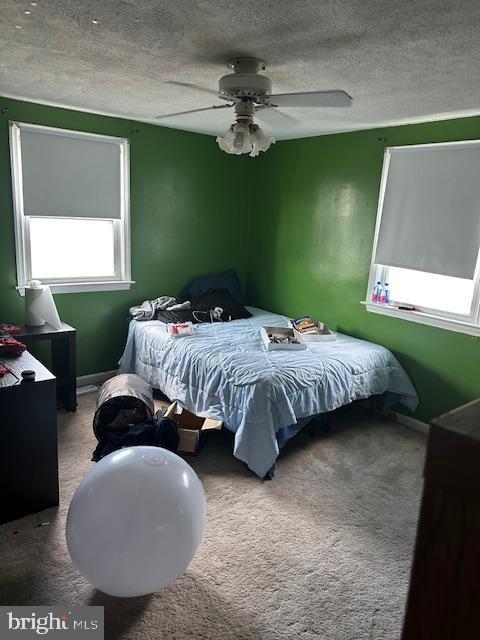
(9, 347)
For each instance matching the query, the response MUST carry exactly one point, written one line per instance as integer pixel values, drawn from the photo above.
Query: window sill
(86, 287)
(423, 318)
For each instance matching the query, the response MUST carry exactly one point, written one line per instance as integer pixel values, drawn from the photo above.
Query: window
(427, 237)
(71, 205)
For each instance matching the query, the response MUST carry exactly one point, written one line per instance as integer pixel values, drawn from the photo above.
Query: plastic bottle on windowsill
(377, 292)
(385, 296)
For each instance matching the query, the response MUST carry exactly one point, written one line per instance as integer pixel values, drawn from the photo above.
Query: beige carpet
(323, 551)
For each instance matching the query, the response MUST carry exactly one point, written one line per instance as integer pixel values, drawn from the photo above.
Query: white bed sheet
(225, 372)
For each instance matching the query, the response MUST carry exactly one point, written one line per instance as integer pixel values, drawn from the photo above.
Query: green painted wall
(307, 237)
(313, 219)
(188, 204)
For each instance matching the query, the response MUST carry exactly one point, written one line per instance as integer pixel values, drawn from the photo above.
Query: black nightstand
(63, 347)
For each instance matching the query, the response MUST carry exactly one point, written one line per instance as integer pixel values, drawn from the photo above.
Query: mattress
(225, 372)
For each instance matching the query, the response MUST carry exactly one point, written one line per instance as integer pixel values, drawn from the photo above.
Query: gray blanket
(148, 309)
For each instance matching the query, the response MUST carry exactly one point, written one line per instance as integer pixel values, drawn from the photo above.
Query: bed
(225, 372)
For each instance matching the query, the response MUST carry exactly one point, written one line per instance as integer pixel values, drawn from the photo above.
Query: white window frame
(461, 323)
(122, 279)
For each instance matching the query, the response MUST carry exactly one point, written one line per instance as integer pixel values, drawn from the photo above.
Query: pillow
(228, 280)
(231, 309)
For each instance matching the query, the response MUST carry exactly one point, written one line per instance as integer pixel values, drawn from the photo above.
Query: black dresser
(28, 432)
(444, 596)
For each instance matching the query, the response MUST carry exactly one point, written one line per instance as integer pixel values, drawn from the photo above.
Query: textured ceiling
(401, 60)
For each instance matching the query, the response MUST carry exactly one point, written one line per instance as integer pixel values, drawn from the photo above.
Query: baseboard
(96, 378)
(396, 416)
(410, 422)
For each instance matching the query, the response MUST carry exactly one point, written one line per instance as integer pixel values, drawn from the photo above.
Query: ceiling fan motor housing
(238, 86)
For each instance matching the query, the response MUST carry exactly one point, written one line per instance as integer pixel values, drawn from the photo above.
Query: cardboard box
(324, 334)
(281, 332)
(190, 428)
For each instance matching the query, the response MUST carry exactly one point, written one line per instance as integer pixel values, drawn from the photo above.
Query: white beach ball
(135, 521)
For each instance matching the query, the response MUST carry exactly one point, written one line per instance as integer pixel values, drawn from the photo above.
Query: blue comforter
(225, 372)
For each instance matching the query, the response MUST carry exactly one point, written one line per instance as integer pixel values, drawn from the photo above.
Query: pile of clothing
(149, 308)
(125, 431)
(215, 305)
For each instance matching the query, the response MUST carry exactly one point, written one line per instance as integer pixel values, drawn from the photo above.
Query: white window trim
(423, 318)
(469, 324)
(121, 226)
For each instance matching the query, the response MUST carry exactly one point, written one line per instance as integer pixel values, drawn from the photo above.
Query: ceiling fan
(249, 94)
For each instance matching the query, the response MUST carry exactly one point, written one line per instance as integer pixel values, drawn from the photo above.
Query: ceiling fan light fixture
(243, 137)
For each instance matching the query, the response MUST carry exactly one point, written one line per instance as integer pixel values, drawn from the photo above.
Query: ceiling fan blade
(273, 116)
(192, 85)
(312, 99)
(184, 113)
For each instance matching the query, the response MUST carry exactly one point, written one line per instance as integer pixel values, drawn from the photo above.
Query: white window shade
(429, 209)
(69, 175)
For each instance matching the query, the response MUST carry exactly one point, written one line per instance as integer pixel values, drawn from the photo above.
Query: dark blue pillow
(228, 280)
